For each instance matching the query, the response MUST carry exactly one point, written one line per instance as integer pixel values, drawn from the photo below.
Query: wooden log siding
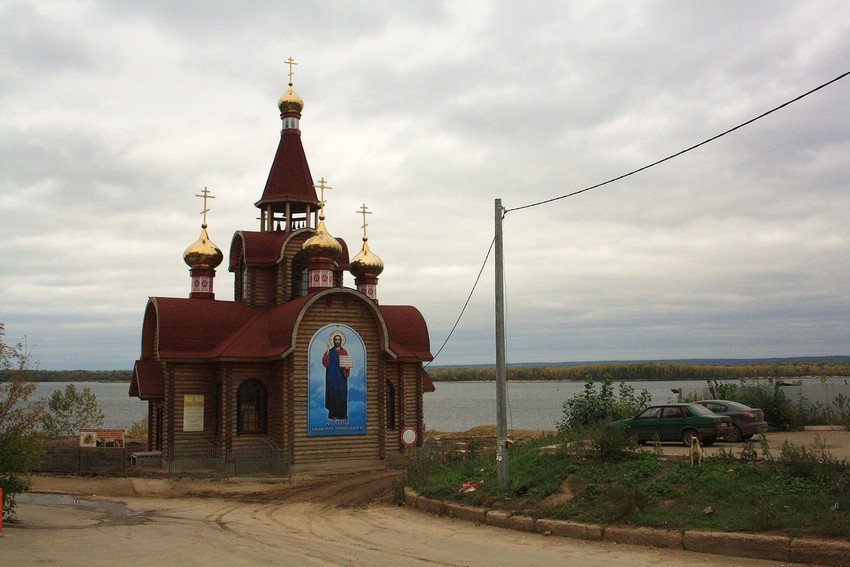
(289, 388)
(191, 379)
(277, 406)
(290, 250)
(410, 396)
(263, 292)
(153, 424)
(168, 412)
(282, 271)
(345, 311)
(392, 439)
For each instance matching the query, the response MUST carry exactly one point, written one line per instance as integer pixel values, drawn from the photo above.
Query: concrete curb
(755, 546)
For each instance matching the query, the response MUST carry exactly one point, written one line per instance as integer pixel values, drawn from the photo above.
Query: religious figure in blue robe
(337, 365)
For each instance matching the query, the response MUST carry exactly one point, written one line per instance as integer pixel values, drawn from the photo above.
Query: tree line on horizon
(69, 375)
(620, 372)
(645, 371)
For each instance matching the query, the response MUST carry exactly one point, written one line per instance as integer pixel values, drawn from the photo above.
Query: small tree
(20, 419)
(70, 410)
(592, 408)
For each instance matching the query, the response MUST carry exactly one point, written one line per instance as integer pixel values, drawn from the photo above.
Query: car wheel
(735, 436)
(688, 435)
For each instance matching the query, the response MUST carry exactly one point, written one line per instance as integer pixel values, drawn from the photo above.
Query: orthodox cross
(363, 211)
(290, 62)
(205, 194)
(322, 186)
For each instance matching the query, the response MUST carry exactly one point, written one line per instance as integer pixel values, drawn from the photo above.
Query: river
(454, 406)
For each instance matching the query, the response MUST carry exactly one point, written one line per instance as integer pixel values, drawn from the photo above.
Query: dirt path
(215, 531)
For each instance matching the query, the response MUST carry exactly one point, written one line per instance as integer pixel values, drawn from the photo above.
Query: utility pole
(501, 372)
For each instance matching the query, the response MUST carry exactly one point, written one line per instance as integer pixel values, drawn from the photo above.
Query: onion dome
(366, 264)
(203, 253)
(322, 247)
(290, 101)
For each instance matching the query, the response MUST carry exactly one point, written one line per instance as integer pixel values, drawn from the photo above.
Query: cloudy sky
(116, 114)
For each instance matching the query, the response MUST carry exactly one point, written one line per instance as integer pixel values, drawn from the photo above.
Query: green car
(676, 422)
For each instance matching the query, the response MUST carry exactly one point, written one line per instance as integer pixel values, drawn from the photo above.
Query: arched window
(390, 405)
(251, 407)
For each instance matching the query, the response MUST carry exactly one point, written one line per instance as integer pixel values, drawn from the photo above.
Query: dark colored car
(746, 421)
(676, 422)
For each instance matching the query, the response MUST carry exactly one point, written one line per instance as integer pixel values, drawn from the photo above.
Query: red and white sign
(409, 436)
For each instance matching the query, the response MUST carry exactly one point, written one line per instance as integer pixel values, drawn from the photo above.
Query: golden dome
(322, 247)
(366, 264)
(203, 253)
(290, 101)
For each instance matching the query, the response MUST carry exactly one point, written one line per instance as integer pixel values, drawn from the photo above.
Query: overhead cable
(686, 150)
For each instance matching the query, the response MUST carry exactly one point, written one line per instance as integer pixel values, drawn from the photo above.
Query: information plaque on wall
(193, 412)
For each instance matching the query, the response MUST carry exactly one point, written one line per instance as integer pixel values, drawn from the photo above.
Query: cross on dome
(205, 194)
(322, 186)
(364, 211)
(290, 62)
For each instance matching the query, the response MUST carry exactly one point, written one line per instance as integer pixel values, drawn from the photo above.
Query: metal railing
(253, 457)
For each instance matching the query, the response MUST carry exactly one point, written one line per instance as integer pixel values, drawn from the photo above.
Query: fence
(64, 455)
(255, 457)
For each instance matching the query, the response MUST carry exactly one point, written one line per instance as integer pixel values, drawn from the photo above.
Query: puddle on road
(109, 512)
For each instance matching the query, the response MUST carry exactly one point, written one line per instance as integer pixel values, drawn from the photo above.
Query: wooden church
(297, 362)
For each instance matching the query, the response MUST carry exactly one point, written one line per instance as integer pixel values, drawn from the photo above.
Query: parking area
(832, 440)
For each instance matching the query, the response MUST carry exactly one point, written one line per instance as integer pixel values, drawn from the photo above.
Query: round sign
(409, 436)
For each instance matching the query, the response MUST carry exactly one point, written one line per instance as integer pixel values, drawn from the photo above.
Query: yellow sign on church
(193, 412)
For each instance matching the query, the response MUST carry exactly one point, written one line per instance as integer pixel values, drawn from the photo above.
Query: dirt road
(213, 531)
(345, 519)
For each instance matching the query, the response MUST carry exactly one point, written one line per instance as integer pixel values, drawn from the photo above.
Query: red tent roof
(289, 178)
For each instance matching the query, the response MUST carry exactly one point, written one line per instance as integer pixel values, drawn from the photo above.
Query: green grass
(802, 492)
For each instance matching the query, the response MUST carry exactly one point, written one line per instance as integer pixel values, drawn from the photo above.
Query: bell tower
(289, 198)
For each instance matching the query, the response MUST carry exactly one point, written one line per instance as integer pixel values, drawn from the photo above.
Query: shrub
(20, 438)
(138, 429)
(591, 407)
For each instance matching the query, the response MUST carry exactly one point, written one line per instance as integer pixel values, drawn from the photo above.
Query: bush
(591, 407)
(20, 436)
(138, 429)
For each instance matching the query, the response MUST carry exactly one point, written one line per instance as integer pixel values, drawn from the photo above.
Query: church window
(390, 406)
(251, 411)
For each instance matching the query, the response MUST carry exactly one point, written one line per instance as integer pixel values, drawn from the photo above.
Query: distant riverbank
(619, 372)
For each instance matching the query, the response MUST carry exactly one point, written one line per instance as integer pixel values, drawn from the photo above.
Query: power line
(492, 242)
(686, 150)
(619, 177)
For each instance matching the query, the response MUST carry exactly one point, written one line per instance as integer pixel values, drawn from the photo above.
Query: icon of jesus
(337, 365)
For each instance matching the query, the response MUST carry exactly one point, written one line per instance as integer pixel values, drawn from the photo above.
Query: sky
(116, 114)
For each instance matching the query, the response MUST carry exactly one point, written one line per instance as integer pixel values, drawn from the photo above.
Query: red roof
(408, 331)
(212, 329)
(289, 177)
(427, 385)
(265, 248)
(147, 382)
